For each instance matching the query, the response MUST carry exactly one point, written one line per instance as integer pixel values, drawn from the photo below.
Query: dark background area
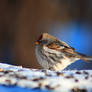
(22, 21)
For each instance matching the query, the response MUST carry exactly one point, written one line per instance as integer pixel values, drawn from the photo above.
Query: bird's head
(45, 39)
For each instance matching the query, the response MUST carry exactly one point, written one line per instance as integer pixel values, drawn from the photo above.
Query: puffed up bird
(54, 54)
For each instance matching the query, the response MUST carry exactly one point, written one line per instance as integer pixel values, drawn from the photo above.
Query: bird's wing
(64, 43)
(57, 45)
(66, 49)
(82, 54)
(60, 46)
(72, 53)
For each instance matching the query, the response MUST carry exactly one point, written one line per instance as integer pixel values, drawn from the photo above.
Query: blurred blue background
(22, 21)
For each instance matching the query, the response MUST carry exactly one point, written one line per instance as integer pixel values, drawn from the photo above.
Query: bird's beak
(37, 43)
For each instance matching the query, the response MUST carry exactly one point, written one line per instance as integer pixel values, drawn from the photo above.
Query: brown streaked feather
(74, 53)
(67, 45)
(83, 58)
(67, 50)
(82, 54)
(54, 46)
(64, 47)
(70, 53)
(64, 43)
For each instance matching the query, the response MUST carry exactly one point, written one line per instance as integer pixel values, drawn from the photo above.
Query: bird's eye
(40, 38)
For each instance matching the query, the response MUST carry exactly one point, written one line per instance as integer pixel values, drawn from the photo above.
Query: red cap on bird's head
(44, 36)
(38, 41)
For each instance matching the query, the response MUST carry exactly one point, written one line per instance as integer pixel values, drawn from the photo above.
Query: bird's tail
(84, 57)
(88, 58)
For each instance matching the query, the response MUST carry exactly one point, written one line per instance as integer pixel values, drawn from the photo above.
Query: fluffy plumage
(54, 54)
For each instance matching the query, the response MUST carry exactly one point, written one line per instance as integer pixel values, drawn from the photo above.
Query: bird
(54, 54)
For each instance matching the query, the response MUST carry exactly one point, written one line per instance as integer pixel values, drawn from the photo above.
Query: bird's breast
(41, 58)
(62, 64)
